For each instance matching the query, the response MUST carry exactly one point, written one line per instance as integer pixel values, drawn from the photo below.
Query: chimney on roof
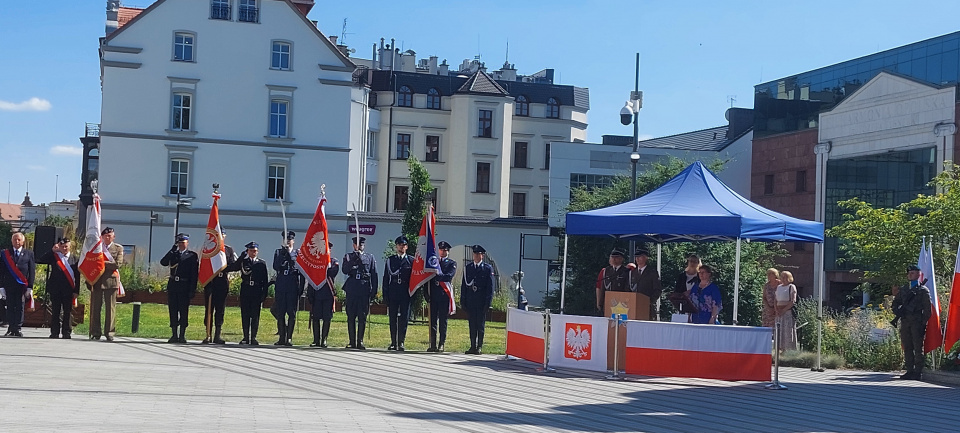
(333, 39)
(508, 72)
(432, 65)
(443, 69)
(113, 10)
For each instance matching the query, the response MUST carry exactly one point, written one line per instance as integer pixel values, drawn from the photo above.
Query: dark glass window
(546, 205)
(179, 176)
(522, 106)
(589, 182)
(553, 108)
(519, 204)
(220, 9)
(546, 156)
(483, 177)
(433, 148)
(434, 197)
(802, 181)
(183, 47)
(276, 179)
(485, 124)
(400, 197)
(405, 97)
(768, 184)
(520, 154)
(248, 11)
(280, 56)
(433, 99)
(403, 146)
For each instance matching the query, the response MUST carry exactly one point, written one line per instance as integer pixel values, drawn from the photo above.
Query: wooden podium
(636, 306)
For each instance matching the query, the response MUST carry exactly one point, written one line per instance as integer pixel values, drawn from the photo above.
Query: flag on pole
(952, 332)
(934, 336)
(426, 264)
(313, 258)
(212, 256)
(92, 261)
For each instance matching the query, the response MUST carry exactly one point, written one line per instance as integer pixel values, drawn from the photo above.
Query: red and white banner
(578, 342)
(526, 337)
(933, 338)
(92, 260)
(706, 351)
(212, 256)
(426, 263)
(313, 258)
(952, 332)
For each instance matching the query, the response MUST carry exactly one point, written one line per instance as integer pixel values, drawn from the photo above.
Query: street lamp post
(181, 203)
(154, 218)
(631, 112)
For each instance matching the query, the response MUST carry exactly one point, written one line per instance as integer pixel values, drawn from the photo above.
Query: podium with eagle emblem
(636, 306)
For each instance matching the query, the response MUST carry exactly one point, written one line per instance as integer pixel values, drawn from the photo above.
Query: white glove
(3, 293)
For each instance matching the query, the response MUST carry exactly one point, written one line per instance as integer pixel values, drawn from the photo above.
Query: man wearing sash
(476, 294)
(62, 287)
(253, 290)
(181, 286)
(396, 291)
(17, 274)
(215, 294)
(613, 278)
(441, 301)
(103, 294)
(323, 302)
(361, 288)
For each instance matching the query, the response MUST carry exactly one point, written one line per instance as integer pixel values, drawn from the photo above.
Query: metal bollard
(776, 361)
(135, 325)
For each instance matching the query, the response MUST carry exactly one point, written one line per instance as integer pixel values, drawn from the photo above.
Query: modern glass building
(794, 103)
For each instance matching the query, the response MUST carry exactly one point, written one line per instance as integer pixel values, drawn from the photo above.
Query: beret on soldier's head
(63, 240)
(912, 268)
(443, 245)
(252, 246)
(478, 249)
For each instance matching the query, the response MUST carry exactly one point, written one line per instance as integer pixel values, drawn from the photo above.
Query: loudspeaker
(44, 238)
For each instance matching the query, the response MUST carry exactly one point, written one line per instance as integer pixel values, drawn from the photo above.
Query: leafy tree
(885, 240)
(587, 255)
(6, 231)
(418, 196)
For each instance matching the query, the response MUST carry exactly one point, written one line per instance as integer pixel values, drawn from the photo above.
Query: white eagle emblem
(317, 245)
(577, 341)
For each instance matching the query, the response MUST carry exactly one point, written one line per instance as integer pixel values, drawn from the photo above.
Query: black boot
(173, 335)
(183, 338)
(324, 333)
(216, 337)
(315, 323)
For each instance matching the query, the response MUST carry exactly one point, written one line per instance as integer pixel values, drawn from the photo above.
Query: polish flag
(92, 260)
(212, 256)
(706, 351)
(313, 258)
(933, 338)
(525, 335)
(578, 342)
(426, 263)
(952, 332)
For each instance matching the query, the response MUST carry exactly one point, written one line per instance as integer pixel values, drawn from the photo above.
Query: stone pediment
(885, 85)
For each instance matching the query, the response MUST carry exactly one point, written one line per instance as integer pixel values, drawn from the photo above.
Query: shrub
(863, 338)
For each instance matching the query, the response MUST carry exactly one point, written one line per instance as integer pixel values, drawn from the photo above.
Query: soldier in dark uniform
(322, 302)
(287, 289)
(440, 300)
(476, 294)
(396, 292)
(253, 290)
(181, 286)
(62, 286)
(913, 307)
(215, 295)
(613, 278)
(361, 286)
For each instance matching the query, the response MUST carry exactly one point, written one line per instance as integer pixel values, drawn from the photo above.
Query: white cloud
(36, 167)
(32, 104)
(66, 150)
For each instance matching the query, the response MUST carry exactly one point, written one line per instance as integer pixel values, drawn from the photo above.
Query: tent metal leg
(563, 275)
(736, 286)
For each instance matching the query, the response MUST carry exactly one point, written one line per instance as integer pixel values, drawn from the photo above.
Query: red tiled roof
(125, 14)
(9, 212)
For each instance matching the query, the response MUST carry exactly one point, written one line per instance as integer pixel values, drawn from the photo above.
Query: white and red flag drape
(92, 260)
(933, 338)
(213, 258)
(313, 258)
(952, 331)
(426, 262)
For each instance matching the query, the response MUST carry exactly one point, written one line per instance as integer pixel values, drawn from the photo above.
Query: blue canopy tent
(692, 206)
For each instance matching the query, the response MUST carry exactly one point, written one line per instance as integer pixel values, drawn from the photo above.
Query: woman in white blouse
(786, 299)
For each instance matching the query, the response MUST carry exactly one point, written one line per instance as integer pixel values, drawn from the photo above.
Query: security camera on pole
(631, 112)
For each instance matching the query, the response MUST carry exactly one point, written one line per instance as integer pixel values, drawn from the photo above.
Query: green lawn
(154, 323)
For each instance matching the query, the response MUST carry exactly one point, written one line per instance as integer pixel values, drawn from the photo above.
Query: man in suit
(253, 290)
(322, 302)
(181, 286)
(396, 292)
(62, 287)
(440, 300)
(215, 296)
(287, 289)
(17, 273)
(103, 294)
(476, 294)
(361, 286)
(646, 280)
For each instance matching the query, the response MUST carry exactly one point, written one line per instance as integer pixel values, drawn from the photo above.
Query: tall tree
(418, 197)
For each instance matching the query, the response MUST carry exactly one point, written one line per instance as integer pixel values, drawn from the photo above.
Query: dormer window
(405, 97)
(553, 108)
(522, 107)
(433, 99)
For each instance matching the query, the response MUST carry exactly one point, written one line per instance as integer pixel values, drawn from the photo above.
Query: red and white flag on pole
(952, 332)
(934, 335)
(313, 258)
(426, 263)
(212, 256)
(92, 260)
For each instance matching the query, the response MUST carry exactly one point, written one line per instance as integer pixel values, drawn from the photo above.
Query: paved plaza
(147, 385)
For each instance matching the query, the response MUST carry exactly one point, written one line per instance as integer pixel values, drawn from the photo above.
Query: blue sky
(695, 55)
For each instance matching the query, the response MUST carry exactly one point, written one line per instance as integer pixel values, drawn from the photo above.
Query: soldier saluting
(253, 290)
(396, 291)
(613, 278)
(441, 302)
(476, 294)
(912, 307)
(361, 285)
(181, 286)
(287, 290)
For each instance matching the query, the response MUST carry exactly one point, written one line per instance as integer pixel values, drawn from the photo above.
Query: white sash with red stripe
(64, 266)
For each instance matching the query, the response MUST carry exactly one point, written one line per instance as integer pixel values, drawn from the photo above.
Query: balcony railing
(220, 12)
(248, 15)
(92, 130)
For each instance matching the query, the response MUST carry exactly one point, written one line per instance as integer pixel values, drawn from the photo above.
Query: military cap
(106, 230)
(478, 249)
(63, 240)
(182, 237)
(362, 240)
(329, 244)
(252, 246)
(443, 245)
(641, 252)
(912, 268)
(400, 240)
(291, 235)
(616, 253)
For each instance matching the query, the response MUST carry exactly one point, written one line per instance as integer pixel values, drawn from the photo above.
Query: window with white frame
(183, 44)
(553, 108)
(371, 145)
(433, 99)
(485, 123)
(279, 118)
(368, 197)
(248, 11)
(280, 56)
(220, 10)
(522, 106)
(182, 107)
(179, 176)
(405, 97)
(276, 181)
(433, 148)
